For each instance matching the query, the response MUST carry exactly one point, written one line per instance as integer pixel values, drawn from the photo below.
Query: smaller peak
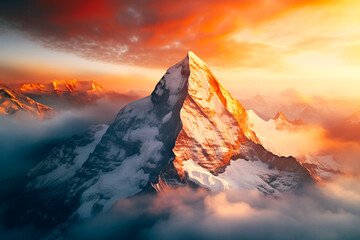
(95, 87)
(281, 116)
(282, 119)
(28, 87)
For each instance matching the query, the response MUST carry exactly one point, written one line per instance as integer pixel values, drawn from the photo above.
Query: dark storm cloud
(143, 32)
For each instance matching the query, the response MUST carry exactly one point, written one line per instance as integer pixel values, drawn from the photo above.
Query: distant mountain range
(12, 102)
(43, 100)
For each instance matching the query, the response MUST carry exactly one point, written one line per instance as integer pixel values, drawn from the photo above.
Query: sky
(257, 46)
(301, 57)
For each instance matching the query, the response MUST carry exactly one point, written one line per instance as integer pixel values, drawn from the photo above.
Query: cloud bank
(143, 32)
(26, 140)
(328, 210)
(325, 211)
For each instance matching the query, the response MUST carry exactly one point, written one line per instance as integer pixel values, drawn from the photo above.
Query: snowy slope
(12, 102)
(242, 174)
(273, 134)
(286, 138)
(66, 159)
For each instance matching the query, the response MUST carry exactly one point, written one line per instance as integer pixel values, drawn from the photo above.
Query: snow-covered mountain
(12, 102)
(189, 132)
(70, 94)
(314, 109)
(286, 138)
(62, 87)
(46, 100)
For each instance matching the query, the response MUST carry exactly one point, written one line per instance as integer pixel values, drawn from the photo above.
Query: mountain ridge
(58, 96)
(13, 102)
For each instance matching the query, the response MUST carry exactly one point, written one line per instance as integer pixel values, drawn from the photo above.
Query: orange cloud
(307, 45)
(144, 32)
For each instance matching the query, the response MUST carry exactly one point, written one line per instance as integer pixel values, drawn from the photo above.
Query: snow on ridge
(240, 175)
(66, 170)
(287, 142)
(196, 60)
(172, 75)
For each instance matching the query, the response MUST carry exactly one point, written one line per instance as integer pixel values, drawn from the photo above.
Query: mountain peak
(207, 106)
(283, 122)
(281, 116)
(193, 58)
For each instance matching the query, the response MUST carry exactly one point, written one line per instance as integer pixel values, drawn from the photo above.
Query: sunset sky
(252, 46)
(92, 125)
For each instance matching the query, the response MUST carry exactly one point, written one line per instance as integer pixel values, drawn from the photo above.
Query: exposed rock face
(214, 123)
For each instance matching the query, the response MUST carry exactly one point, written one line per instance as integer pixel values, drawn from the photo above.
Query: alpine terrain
(278, 135)
(12, 102)
(189, 132)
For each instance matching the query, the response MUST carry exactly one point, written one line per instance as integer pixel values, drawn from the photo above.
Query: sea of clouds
(328, 210)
